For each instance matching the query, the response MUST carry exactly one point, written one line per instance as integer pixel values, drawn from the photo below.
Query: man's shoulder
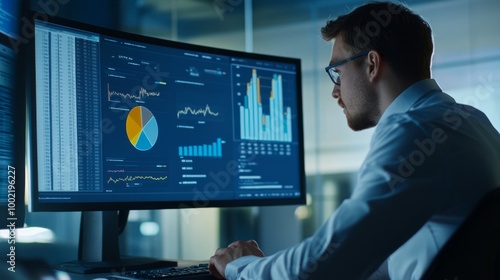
(437, 111)
(437, 120)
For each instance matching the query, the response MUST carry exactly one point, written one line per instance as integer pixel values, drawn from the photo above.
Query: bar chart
(255, 124)
(204, 150)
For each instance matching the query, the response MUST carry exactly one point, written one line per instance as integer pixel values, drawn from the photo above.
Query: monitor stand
(98, 250)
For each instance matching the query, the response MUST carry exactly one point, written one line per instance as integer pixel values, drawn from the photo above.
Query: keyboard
(198, 272)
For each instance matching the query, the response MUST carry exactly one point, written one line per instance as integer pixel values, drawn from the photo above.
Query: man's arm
(389, 205)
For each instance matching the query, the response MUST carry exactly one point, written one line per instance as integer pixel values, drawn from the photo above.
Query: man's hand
(235, 250)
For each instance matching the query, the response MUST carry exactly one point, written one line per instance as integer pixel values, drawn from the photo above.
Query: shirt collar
(410, 96)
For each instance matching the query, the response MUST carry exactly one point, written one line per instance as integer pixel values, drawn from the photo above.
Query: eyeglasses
(332, 72)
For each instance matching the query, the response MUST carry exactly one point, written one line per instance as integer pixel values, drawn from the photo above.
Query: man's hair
(400, 36)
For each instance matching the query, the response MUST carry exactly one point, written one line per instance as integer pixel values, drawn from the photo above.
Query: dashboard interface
(120, 119)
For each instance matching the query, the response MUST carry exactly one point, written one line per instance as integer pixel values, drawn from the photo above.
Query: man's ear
(374, 65)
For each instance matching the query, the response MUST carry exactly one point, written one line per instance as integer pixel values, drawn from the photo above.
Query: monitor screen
(122, 121)
(12, 115)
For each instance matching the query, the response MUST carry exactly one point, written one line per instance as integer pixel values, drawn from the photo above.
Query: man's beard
(366, 111)
(360, 121)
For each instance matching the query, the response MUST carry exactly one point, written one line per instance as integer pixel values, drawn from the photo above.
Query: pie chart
(142, 128)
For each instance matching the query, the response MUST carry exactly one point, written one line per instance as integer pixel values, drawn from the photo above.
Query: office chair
(473, 251)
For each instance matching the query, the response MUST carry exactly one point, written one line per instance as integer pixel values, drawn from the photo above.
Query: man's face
(355, 94)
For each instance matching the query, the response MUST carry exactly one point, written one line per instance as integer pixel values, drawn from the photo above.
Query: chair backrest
(473, 251)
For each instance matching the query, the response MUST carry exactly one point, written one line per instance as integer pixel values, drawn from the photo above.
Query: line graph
(116, 171)
(141, 94)
(135, 178)
(203, 111)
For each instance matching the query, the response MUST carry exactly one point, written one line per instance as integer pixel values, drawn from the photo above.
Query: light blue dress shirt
(430, 161)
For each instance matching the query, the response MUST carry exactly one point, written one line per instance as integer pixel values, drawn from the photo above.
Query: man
(430, 160)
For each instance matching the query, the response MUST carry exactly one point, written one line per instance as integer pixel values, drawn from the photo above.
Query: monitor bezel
(36, 206)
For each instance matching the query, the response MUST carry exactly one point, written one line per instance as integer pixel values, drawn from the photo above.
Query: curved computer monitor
(121, 121)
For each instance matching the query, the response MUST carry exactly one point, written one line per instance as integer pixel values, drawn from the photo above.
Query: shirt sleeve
(402, 182)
